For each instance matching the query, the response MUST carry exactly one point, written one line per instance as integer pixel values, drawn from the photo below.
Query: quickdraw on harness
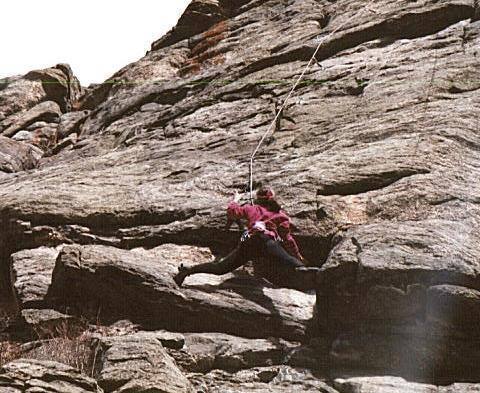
(258, 226)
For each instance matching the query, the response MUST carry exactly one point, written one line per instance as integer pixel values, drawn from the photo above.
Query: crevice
(370, 183)
(6, 250)
(102, 222)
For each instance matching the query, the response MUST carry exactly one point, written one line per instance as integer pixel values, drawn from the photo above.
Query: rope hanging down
(299, 79)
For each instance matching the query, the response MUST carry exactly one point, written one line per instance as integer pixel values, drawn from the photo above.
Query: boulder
(43, 324)
(16, 156)
(64, 143)
(402, 284)
(43, 138)
(204, 352)
(23, 136)
(138, 362)
(17, 95)
(21, 93)
(453, 310)
(388, 384)
(139, 285)
(382, 385)
(280, 379)
(59, 83)
(45, 111)
(31, 275)
(39, 124)
(28, 375)
(70, 123)
(198, 17)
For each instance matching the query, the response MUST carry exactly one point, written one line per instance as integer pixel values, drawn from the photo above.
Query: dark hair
(269, 204)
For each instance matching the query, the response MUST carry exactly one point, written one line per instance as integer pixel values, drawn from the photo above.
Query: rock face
(139, 363)
(26, 375)
(136, 285)
(17, 156)
(375, 157)
(31, 275)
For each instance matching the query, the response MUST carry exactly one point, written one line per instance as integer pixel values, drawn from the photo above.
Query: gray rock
(64, 143)
(375, 158)
(31, 275)
(70, 123)
(38, 124)
(381, 385)
(23, 136)
(390, 384)
(28, 375)
(18, 94)
(59, 83)
(282, 379)
(139, 285)
(460, 388)
(170, 340)
(204, 352)
(139, 363)
(45, 111)
(16, 156)
(453, 310)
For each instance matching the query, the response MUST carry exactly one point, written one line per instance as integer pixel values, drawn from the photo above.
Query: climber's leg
(288, 269)
(238, 257)
(275, 251)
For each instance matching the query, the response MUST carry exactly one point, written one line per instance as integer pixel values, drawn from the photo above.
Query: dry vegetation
(77, 352)
(69, 343)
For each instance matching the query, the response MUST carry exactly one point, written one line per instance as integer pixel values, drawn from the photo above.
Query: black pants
(258, 247)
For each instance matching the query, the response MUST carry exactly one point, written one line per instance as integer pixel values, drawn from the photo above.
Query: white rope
(255, 151)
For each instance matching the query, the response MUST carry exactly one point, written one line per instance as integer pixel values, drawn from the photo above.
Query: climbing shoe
(181, 275)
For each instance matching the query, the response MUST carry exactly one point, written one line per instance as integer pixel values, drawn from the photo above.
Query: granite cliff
(105, 190)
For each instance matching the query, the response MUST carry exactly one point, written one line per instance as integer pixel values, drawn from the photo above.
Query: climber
(268, 237)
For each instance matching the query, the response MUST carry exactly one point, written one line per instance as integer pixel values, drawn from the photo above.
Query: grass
(70, 343)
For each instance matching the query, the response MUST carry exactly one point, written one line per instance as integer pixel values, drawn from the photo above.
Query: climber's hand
(236, 197)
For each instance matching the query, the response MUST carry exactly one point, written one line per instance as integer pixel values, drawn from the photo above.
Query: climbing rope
(297, 82)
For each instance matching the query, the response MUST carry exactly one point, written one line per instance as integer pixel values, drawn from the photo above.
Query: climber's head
(265, 193)
(265, 197)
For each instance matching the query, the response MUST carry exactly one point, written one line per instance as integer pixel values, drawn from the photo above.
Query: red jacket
(277, 224)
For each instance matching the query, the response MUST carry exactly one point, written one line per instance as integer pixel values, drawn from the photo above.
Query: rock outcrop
(139, 286)
(375, 157)
(16, 156)
(27, 375)
(139, 363)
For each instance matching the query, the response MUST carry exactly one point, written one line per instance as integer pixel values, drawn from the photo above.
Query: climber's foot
(181, 275)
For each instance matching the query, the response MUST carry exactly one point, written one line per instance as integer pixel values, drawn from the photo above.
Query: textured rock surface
(16, 156)
(261, 380)
(204, 352)
(31, 275)
(26, 375)
(45, 111)
(395, 384)
(375, 157)
(139, 285)
(138, 363)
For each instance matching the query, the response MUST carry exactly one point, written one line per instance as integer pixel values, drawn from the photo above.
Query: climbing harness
(297, 82)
